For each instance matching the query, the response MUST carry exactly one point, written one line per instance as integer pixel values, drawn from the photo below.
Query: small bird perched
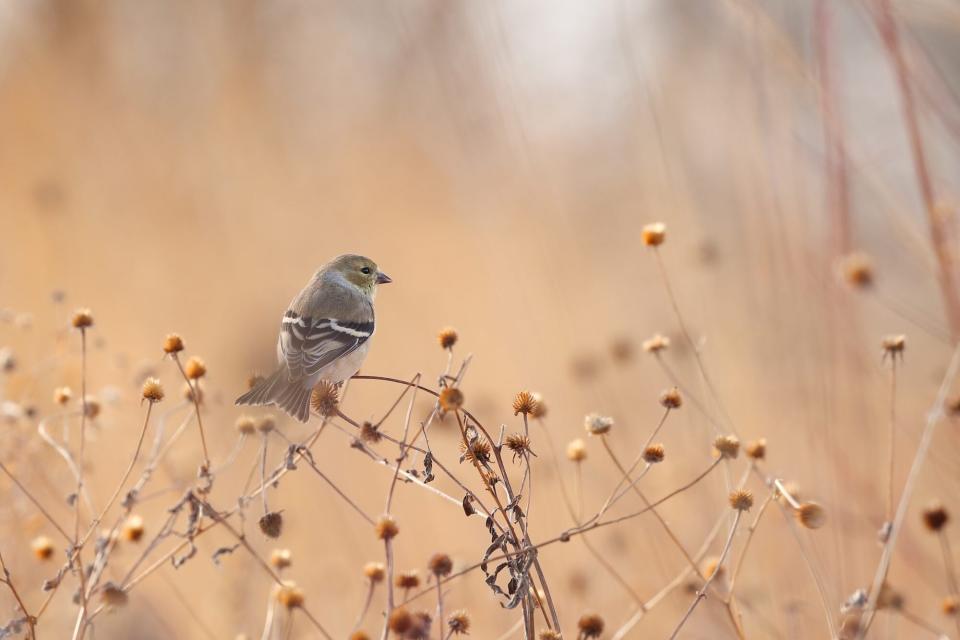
(324, 335)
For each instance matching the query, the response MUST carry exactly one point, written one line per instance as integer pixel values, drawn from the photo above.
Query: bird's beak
(383, 278)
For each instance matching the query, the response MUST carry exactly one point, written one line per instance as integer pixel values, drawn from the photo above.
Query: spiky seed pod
(539, 408)
(726, 447)
(281, 558)
(407, 579)
(82, 319)
(451, 399)
(590, 625)
(245, 425)
(113, 595)
(386, 527)
(195, 368)
(524, 403)
(173, 343)
(671, 398)
(289, 595)
(596, 424)
(476, 451)
(375, 571)
(857, 269)
(935, 517)
(654, 234)
(577, 450)
(757, 449)
(811, 515)
(459, 622)
(447, 337)
(654, 454)
(741, 500)
(152, 390)
(518, 443)
(656, 343)
(400, 621)
(325, 398)
(271, 524)
(133, 528)
(369, 433)
(42, 547)
(440, 564)
(62, 395)
(950, 605)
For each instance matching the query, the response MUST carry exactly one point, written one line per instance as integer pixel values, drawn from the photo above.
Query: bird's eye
(365, 271)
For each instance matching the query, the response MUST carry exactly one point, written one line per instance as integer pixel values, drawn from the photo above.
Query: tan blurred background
(185, 166)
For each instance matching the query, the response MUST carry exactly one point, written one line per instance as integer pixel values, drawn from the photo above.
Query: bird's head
(360, 271)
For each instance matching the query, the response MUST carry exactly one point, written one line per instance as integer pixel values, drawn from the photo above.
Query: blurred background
(183, 166)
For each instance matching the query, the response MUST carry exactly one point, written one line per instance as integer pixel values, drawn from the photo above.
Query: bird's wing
(309, 344)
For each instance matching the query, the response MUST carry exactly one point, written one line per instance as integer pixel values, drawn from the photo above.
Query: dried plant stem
(891, 437)
(80, 626)
(195, 396)
(340, 492)
(28, 618)
(440, 607)
(746, 545)
(367, 599)
(36, 503)
(951, 571)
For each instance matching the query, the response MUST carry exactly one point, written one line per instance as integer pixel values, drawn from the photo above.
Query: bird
(324, 334)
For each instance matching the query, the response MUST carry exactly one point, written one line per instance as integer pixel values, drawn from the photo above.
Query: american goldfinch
(324, 335)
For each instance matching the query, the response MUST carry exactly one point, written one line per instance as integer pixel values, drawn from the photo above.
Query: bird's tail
(279, 390)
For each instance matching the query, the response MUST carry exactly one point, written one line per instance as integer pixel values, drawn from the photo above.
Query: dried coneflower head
(451, 399)
(935, 517)
(370, 433)
(407, 580)
(654, 234)
(519, 444)
(590, 625)
(757, 449)
(671, 398)
(82, 319)
(524, 402)
(440, 565)
(152, 390)
(195, 368)
(245, 425)
(950, 605)
(386, 527)
(577, 450)
(539, 408)
(271, 524)
(894, 345)
(281, 558)
(596, 424)
(741, 500)
(459, 622)
(289, 595)
(325, 398)
(857, 269)
(711, 566)
(656, 343)
(91, 407)
(62, 395)
(113, 595)
(476, 451)
(133, 528)
(375, 571)
(447, 337)
(811, 515)
(42, 547)
(654, 454)
(173, 343)
(400, 621)
(726, 447)
(266, 424)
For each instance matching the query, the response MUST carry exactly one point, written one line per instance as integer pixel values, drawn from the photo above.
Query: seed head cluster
(325, 398)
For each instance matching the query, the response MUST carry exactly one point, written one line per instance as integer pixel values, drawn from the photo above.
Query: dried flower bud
(590, 625)
(524, 403)
(451, 399)
(400, 621)
(518, 443)
(950, 605)
(654, 454)
(91, 406)
(811, 515)
(386, 527)
(62, 395)
(741, 500)
(654, 234)
(369, 433)
(289, 595)
(893, 345)
(375, 571)
(671, 398)
(726, 447)
(133, 528)
(152, 390)
(42, 547)
(935, 517)
(577, 450)
(756, 450)
(440, 564)
(113, 595)
(459, 622)
(266, 424)
(597, 424)
(359, 635)
(407, 580)
(245, 425)
(195, 368)
(656, 343)
(325, 398)
(82, 319)
(173, 343)
(857, 269)
(447, 338)
(271, 524)
(477, 451)
(549, 634)
(281, 558)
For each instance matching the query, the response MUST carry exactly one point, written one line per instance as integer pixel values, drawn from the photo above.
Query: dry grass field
(184, 167)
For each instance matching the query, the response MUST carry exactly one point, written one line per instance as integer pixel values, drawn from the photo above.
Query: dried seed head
(539, 408)
(459, 622)
(889, 598)
(245, 425)
(289, 595)
(188, 393)
(741, 500)
(400, 621)
(266, 424)
(894, 345)
(325, 398)
(811, 515)
(671, 398)
(173, 343)
(756, 450)
(369, 433)
(447, 337)
(421, 626)
(656, 343)
(654, 234)
(726, 447)
(590, 625)
(712, 565)
(524, 403)
(451, 399)
(950, 605)
(597, 424)
(375, 571)
(407, 579)
(857, 269)
(195, 368)
(8, 362)
(440, 564)
(82, 319)
(113, 595)
(91, 407)
(42, 547)
(133, 528)
(518, 443)
(152, 390)
(281, 558)
(386, 527)
(654, 454)
(577, 450)
(62, 395)
(477, 451)
(359, 635)
(271, 524)
(935, 517)
(549, 634)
